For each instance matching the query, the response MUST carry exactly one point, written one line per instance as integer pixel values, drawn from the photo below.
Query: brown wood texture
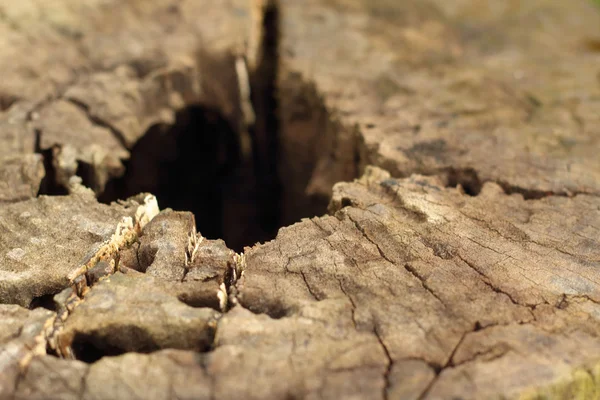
(437, 180)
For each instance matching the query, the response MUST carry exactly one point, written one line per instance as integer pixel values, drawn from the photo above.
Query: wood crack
(489, 284)
(308, 286)
(94, 119)
(423, 282)
(390, 363)
(366, 236)
(448, 363)
(351, 302)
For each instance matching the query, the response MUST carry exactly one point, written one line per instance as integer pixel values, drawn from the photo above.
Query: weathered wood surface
(89, 79)
(463, 263)
(506, 92)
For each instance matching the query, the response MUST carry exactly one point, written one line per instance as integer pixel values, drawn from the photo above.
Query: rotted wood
(439, 201)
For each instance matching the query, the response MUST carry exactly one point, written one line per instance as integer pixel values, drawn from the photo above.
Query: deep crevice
(471, 184)
(467, 178)
(45, 301)
(198, 164)
(194, 165)
(272, 310)
(265, 133)
(49, 185)
(87, 174)
(85, 348)
(528, 194)
(90, 348)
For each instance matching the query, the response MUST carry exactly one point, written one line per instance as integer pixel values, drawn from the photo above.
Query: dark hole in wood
(45, 301)
(86, 349)
(86, 172)
(467, 178)
(49, 185)
(90, 348)
(117, 340)
(265, 133)
(196, 165)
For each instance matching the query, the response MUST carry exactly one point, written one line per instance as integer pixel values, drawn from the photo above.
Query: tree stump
(360, 199)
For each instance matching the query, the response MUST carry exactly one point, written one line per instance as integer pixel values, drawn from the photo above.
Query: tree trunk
(422, 176)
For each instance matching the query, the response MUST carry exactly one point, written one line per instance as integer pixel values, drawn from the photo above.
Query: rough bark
(445, 154)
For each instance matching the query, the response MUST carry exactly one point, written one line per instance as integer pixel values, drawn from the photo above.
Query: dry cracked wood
(498, 93)
(476, 299)
(90, 79)
(462, 264)
(44, 240)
